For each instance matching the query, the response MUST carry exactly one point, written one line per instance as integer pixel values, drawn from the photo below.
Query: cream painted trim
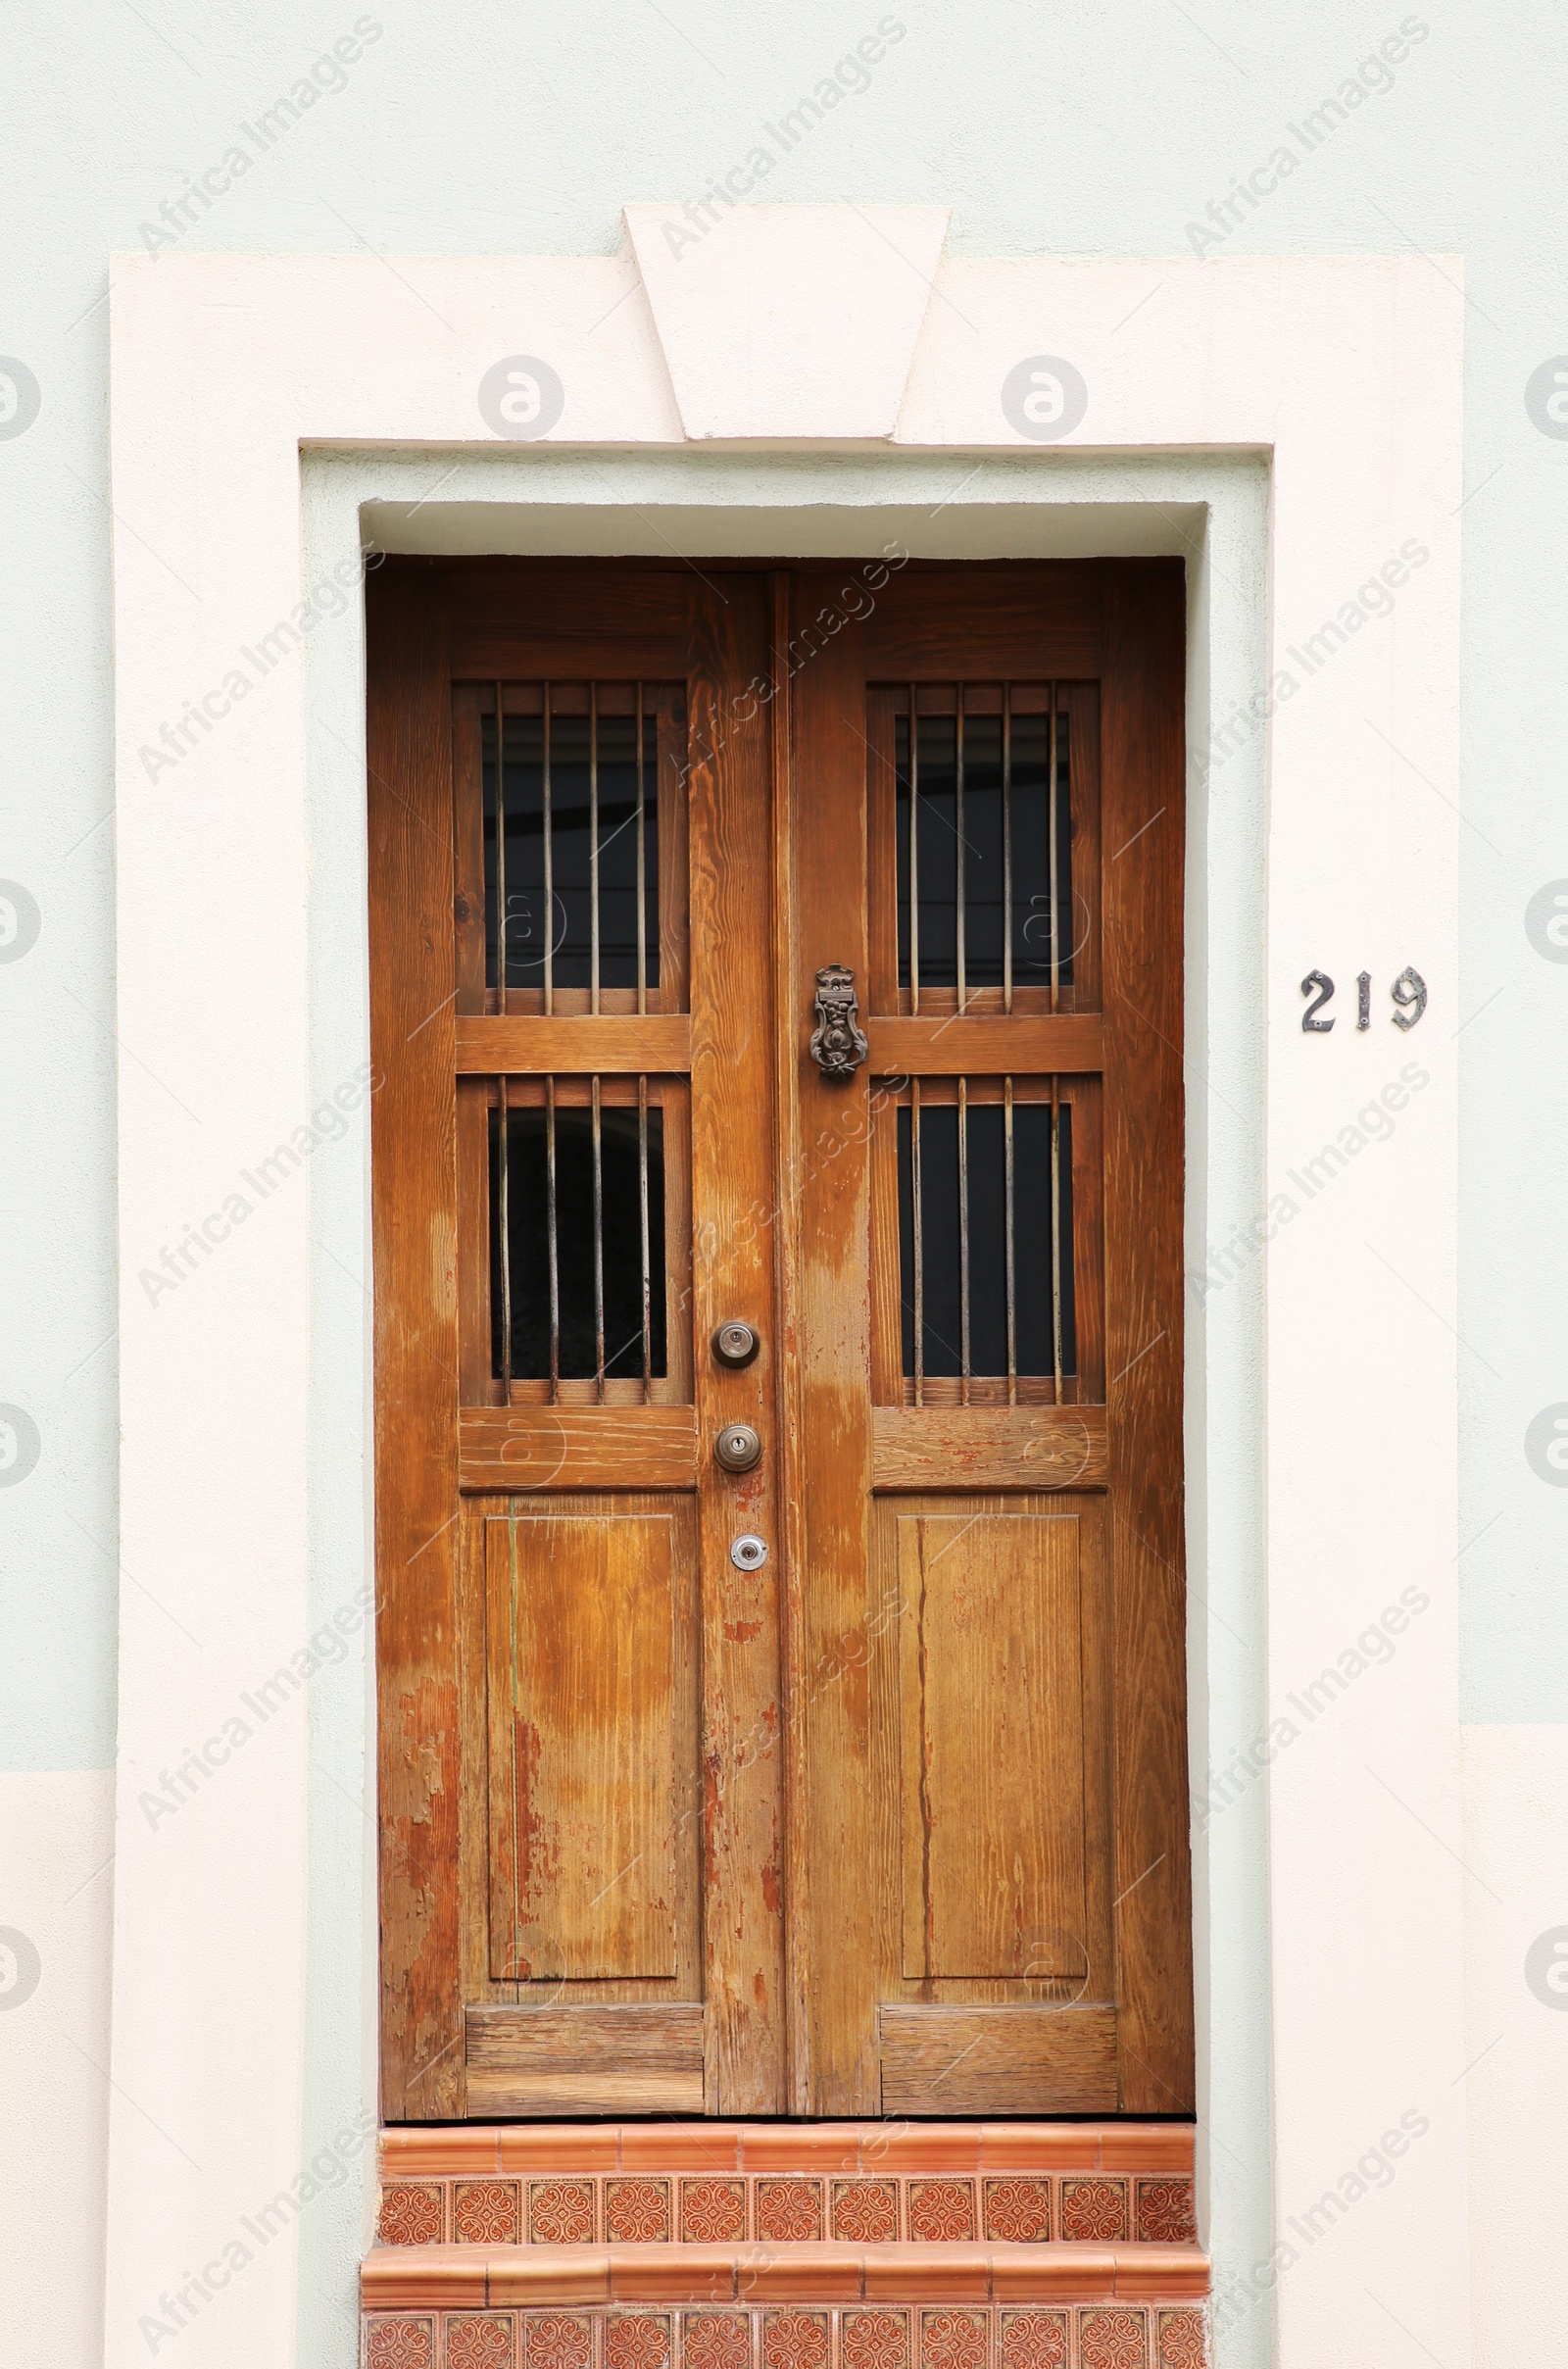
(1347, 374)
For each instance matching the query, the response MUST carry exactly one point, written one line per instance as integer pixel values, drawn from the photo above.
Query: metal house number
(1409, 992)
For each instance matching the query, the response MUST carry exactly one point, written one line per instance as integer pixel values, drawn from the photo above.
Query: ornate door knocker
(838, 1043)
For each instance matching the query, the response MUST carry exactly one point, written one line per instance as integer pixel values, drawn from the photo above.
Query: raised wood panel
(657, 1044)
(991, 1714)
(576, 1448)
(554, 2062)
(582, 1650)
(565, 620)
(949, 1448)
(1018, 1046)
(997, 620)
(997, 2060)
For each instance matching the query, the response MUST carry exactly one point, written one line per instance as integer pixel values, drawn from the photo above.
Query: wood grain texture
(992, 1713)
(577, 1046)
(947, 1447)
(576, 1448)
(997, 2060)
(582, 1633)
(556, 620)
(829, 1680)
(413, 1223)
(734, 1187)
(559, 2061)
(1142, 761)
(993, 620)
(1018, 1046)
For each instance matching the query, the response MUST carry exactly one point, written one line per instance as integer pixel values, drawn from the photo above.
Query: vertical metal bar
(642, 872)
(506, 1250)
(918, 1221)
(1012, 1300)
(641, 1186)
(501, 852)
(914, 876)
(960, 895)
(1055, 1233)
(1056, 948)
(593, 861)
(554, 1241)
(964, 1238)
(599, 1250)
(1007, 857)
(550, 906)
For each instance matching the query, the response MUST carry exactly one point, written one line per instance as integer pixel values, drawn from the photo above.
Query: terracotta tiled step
(1108, 2333)
(780, 2185)
(467, 2277)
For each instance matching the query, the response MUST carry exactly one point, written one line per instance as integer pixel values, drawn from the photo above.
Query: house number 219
(1409, 992)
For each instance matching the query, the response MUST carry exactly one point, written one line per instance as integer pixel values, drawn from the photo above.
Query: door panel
(887, 1817)
(990, 1718)
(588, 1627)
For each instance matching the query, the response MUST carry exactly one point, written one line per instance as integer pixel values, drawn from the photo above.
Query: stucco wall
(1123, 129)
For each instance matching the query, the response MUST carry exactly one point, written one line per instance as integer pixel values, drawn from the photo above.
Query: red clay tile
(1118, 2339)
(637, 2213)
(400, 2344)
(637, 2339)
(716, 2340)
(398, 2278)
(548, 2274)
(681, 2147)
(1147, 2147)
(1166, 2215)
(806, 2273)
(795, 2340)
(866, 2212)
(787, 2210)
(478, 2340)
(954, 2340)
(407, 2153)
(939, 2212)
(953, 2147)
(1053, 2274)
(712, 2213)
(557, 2340)
(778, 2147)
(1161, 2273)
(674, 2274)
(560, 2148)
(1040, 2147)
(560, 2212)
(874, 2340)
(1034, 2340)
(1181, 2339)
(1017, 2211)
(928, 2274)
(1093, 2211)
(412, 2212)
(486, 2212)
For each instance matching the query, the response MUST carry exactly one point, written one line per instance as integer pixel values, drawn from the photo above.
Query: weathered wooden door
(779, 1534)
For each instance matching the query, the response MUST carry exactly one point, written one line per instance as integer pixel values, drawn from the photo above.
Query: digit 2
(1310, 1023)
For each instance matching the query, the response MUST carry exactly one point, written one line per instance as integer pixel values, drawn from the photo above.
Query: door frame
(343, 349)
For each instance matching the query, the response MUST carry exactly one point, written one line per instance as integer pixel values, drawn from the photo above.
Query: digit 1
(1363, 999)
(1408, 989)
(1310, 1023)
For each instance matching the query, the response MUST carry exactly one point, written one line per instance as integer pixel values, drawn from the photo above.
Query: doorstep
(1048, 2246)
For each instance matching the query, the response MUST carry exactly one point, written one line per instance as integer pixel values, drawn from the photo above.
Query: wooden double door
(777, 1187)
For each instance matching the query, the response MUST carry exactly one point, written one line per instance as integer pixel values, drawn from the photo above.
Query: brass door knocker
(838, 1042)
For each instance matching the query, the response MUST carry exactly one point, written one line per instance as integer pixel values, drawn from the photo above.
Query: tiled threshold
(775, 2247)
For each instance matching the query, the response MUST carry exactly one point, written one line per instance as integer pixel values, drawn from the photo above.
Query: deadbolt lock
(736, 1344)
(738, 1448)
